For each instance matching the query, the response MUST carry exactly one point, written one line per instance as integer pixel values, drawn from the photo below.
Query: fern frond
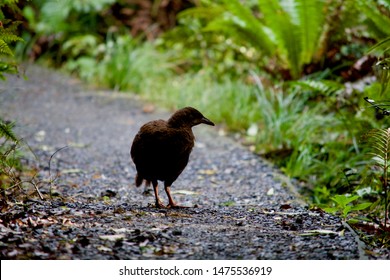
(381, 47)
(381, 21)
(286, 33)
(310, 20)
(237, 21)
(380, 141)
(4, 48)
(9, 26)
(6, 131)
(251, 24)
(297, 25)
(9, 37)
(8, 68)
(324, 87)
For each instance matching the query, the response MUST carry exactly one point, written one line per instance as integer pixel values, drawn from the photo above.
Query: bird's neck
(177, 122)
(184, 128)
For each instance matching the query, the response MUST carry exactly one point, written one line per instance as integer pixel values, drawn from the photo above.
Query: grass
(229, 102)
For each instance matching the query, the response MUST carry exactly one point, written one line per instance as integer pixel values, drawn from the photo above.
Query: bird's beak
(207, 121)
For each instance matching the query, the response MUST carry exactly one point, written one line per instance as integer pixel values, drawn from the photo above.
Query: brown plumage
(161, 149)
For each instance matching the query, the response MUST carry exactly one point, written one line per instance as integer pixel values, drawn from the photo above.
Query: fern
(310, 20)
(7, 36)
(380, 140)
(325, 87)
(382, 68)
(279, 20)
(6, 131)
(380, 20)
(236, 21)
(9, 157)
(286, 30)
(382, 47)
(297, 25)
(54, 15)
(4, 49)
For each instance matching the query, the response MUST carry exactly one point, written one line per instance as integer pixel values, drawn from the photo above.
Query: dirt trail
(244, 208)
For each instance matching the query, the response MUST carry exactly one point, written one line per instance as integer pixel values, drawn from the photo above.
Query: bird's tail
(138, 180)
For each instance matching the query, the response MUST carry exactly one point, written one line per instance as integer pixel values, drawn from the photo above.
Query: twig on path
(51, 181)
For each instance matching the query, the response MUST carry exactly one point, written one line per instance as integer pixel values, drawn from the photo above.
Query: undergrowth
(232, 61)
(13, 174)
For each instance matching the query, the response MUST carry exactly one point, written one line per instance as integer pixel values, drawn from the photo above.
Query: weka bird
(161, 149)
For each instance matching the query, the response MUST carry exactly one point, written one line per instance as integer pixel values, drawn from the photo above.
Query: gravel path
(243, 207)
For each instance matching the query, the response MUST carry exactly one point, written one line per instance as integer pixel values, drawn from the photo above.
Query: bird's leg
(159, 204)
(171, 204)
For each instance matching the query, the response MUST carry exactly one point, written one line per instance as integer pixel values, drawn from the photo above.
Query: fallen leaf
(13, 253)
(104, 249)
(119, 210)
(285, 206)
(318, 232)
(40, 136)
(178, 215)
(72, 171)
(207, 171)
(67, 222)
(166, 250)
(185, 192)
(148, 108)
(78, 145)
(40, 254)
(271, 191)
(113, 237)
(96, 176)
(120, 230)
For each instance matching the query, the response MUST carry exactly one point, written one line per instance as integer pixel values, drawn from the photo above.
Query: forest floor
(241, 206)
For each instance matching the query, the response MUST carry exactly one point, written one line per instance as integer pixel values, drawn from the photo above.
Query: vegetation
(10, 144)
(290, 77)
(7, 36)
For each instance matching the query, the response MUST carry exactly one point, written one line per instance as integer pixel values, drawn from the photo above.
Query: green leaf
(286, 33)
(331, 210)
(346, 210)
(4, 49)
(380, 146)
(310, 19)
(325, 87)
(381, 47)
(370, 9)
(343, 200)
(6, 130)
(361, 206)
(238, 22)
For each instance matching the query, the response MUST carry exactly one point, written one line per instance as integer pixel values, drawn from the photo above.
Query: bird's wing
(158, 147)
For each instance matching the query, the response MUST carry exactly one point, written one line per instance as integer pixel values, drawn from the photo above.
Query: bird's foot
(159, 204)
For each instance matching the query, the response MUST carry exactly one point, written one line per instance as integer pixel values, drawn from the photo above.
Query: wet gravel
(242, 207)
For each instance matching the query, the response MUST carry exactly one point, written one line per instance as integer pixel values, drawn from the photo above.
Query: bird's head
(188, 117)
